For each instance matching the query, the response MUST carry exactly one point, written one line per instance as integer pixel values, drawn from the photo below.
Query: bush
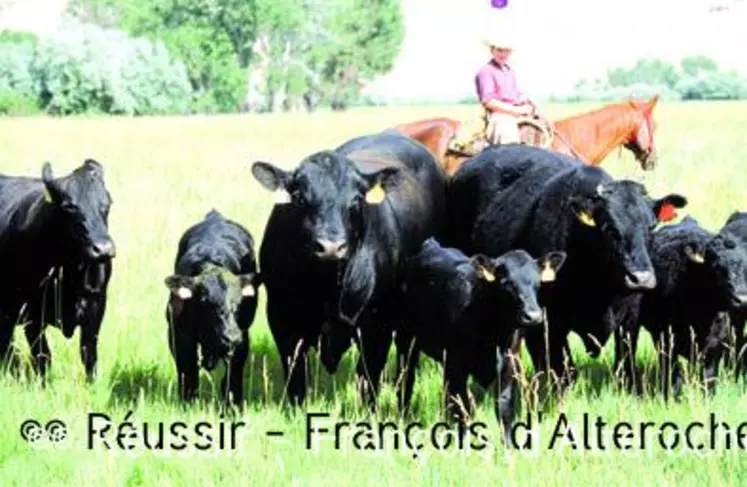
(85, 68)
(16, 56)
(713, 86)
(13, 103)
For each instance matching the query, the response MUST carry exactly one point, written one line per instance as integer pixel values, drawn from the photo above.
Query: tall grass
(166, 173)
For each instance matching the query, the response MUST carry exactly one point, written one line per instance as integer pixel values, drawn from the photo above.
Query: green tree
(279, 48)
(368, 35)
(647, 71)
(693, 65)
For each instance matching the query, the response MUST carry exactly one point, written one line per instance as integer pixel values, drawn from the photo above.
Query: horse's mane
(615, 121)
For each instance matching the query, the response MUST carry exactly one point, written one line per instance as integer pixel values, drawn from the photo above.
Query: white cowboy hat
(501, 39)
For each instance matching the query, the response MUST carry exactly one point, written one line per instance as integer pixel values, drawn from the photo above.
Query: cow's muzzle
(330, 250)
(640, 280)
(103, 249)
(532, 317)
(739, 300)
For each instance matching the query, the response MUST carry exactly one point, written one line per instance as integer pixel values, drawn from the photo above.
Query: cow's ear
(483, 267)
(181, 286)
(248, 285)
(550, 264)
(694, 253)
(52, 191)
(583, 209)
(379, 183)
(272, 178)
(665, 208)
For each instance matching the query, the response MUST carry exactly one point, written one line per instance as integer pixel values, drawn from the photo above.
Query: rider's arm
(489, 95)
(495, 105)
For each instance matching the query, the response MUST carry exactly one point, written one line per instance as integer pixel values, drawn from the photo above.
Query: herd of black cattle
(371, 243)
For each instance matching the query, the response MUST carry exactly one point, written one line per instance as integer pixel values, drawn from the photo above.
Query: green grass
(166, 173)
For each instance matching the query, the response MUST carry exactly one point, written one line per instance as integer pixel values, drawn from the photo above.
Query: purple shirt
(494, 83)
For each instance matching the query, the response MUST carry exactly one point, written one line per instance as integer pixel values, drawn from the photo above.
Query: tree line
(201, 56)
(696, 77)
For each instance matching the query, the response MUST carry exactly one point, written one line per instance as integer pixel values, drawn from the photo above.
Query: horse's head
(641, 138)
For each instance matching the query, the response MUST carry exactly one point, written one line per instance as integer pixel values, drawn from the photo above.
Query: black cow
(334, 246)
(701, 278)
(736, 228)
(212, 303)
(469, 314)
(523, 197)
(55, 255)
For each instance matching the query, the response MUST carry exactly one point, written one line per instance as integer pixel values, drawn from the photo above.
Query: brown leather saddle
(471, 138)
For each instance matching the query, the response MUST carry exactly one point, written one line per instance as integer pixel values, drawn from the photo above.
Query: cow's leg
(183, 348)
(457, 402)
(552, 350)
(737, 319)
(665, 350)
(232, 387)
(6, 336)
(716, 343)
(286, 320)
(408, 358)
(626, 345)
(507, 402)
(89, 336)
(373, 344)
(293, 352)
(41, 355)
(672, 346)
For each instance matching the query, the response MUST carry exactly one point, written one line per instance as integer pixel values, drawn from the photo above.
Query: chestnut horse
(589, 136)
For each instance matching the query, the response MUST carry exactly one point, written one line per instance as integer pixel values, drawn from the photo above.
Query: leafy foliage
(698, 78)
(85, 68)
(270, 50)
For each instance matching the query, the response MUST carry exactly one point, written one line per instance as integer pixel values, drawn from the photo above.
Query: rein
(568, 143)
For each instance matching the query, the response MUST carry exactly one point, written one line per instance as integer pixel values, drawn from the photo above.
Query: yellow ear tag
(586, 219)
(375, 195)
(47, 196)
(486, 274)
(548, 273)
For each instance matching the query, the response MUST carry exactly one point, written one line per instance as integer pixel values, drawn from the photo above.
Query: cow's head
(213, 298)
(82, 203)
(330, 197)
(514, 279)
(621, 216)
(725, 261)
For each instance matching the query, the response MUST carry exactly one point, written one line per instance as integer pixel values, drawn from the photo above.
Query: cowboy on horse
(498, 92)
(507, 111)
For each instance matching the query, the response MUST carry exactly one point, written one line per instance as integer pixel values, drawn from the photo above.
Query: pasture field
(166, 173)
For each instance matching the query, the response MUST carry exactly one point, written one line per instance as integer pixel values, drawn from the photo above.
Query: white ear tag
(282, 197)
(184, 292)
(548, 273)
(247, 290)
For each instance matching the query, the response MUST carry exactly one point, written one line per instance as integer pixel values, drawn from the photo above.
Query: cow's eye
(298, 198)
(68, 206)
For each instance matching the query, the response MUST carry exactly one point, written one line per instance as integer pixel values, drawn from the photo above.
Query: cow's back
(491, 197)
(217, 240)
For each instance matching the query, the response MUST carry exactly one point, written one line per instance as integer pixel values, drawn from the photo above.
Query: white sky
(558, 41)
